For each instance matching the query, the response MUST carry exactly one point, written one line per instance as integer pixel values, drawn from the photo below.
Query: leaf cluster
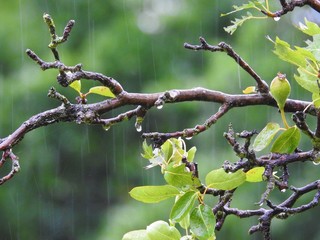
(180, 173)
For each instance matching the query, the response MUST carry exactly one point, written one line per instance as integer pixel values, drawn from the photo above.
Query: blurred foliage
(75, 178)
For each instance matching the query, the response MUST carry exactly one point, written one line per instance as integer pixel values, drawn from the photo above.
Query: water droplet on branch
(316, 162)
(160, 106)
(276, 19)
(106, 127)
(138, 127)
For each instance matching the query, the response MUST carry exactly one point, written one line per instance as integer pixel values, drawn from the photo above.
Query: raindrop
(276, 19)
(106, 127)
(78, 121)
(160, 106)
(316, 162)
(173, 94)
(138, 127)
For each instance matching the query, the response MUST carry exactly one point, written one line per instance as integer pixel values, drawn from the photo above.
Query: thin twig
(262, 86)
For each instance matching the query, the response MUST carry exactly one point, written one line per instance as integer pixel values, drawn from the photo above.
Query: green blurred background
(75, 179)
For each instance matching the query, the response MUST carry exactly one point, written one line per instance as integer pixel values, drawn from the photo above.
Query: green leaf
(167, 150)
(307, 59)
(288, 141)
(307, 81)
(178, 150)
(255, 174)
(314, 46)
(76, 85)
(161, 230)
(136, 235)
(147, 150)
(309, 28)
(237, 23)
(284, 51)
(153, 194)
(185, 222)
(265, 137)
(202, 222)
(102, 90)
(183, 206)
(244, 6)
(316, 99)
(191, 154)
(179, 176)
(249, 90)
(219, 179)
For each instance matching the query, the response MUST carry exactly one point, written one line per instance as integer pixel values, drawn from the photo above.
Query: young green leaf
(316, 99)
(191, 154)
(185, 222)
(306, 59)
(202, 222)
(76, 85)
(147, 150)
(161, 230)
(237, 23)
(102, 90)
(183, 206)
(136, 235)
(255, 174)
(249, 90)
(167, 150)
(284, 51)
(314, 46)
(219, 179)
(239, 8)
(153, 194)
(309, 28)
(265, 137)
(179, 176)
(288, 141)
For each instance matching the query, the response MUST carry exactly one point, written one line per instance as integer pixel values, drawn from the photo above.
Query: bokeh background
(75, 179)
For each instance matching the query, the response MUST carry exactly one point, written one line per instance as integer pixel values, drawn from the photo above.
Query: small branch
(54, 94)
(284, 159)
(107, 123)
(223, 47)
(299, 119)
(189, 132)
(55, 39)
(69, 74)
(290, 6)
(15, 165)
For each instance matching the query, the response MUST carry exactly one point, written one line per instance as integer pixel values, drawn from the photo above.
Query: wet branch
(141, 103)
(262, 86)
(289, 6)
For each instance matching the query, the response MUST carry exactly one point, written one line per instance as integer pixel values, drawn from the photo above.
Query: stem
(284, 120)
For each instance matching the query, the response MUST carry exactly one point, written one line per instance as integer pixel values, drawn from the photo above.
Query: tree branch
(262, 86)
(291, 5)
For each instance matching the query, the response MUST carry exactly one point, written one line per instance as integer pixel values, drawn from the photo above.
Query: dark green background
(75, 179)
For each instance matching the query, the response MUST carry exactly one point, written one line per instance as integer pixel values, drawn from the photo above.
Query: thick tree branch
(82, 113)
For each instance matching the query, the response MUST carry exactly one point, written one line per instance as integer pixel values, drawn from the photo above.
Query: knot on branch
(168, 96)
(241, 151)
(54, 94)
(8, 154)
(87, 116)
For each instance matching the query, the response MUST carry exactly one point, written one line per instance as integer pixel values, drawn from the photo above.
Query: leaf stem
(284, 120)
